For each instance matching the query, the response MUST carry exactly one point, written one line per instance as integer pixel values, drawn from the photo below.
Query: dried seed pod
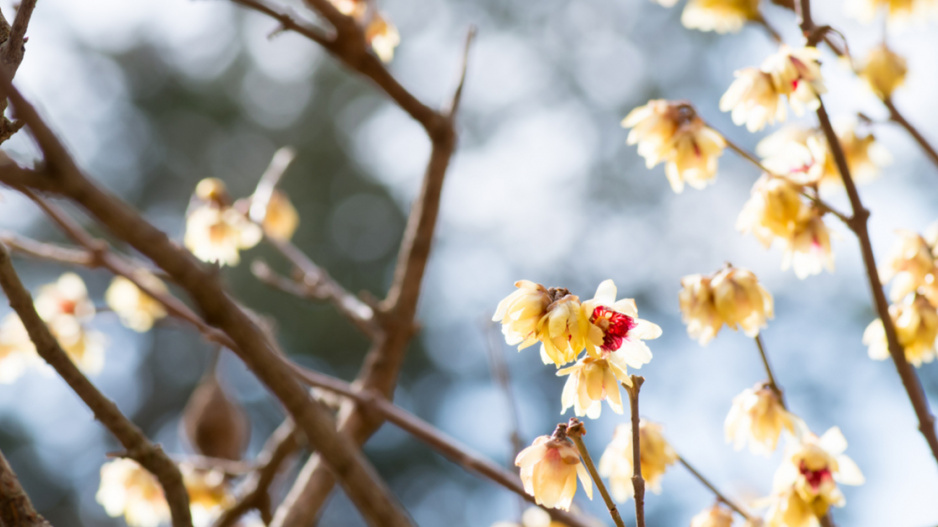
(214, 424)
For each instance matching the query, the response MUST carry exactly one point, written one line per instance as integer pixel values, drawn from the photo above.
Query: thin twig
(15, 507)
(576, 431)
(638, 483)
(773, 384)
(502, 378)
(47, 251)
(287, 18)
(897, 117)
(138, 447)
(776, 36)
(716, 492)
(268, 182)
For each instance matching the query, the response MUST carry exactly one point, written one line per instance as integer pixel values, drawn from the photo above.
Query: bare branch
(47, 251)
(287, 18)
(716, 492)
(11, 51)
(638, 483)
(138, 447)
(15, 507)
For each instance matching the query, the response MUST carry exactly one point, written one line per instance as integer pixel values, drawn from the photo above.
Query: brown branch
(432, 437)
(773, 384)
(11, 51)
(720, 496)
(287, 18)
(282, 444)
(138, 447)
(897, 117)
(47, 251)
(576, 431)
(61, 175)
(15, 507)
(638, 483)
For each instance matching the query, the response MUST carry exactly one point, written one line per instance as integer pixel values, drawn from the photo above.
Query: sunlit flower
(532, 517)
(753, 100)
(281, 219)
(549, 470)
(128, 490)
(65, 307)
(592, 380)
(866, 10)
(722, 16)
(673, 133)
(797, 74)
(808, 250)
(563, 331)
(215, 232)
(614, 326)
(698, 310)
(520, 312)
(209, 493)
(136, 309)
(741, 300)
(758, 417)
(773, 211)
(17, 351)
(616, 461)
(865, 156)
(805, 486)
(715, 516)
(353, 8)
(916, 322)
(382, 36)
(910, 265)
(83, 346)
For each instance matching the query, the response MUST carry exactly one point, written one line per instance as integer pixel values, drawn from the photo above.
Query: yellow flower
(773, 210)
(614, 326)
(808, 250)
(128, 490)
(722, 16)
(758, 417)
(213, 190)
(616, 461)
(532, 517)
(698, 310)
(136, 309)
(84, 347)
(281, 219)
(916, 321)
(208, 493)
(805, 484)
(673, 133)
(753, 100)
(866, 10)
(218, 234)
(740, 300)
(549, 470)
(910, 265)
(796, 73)
(520, 312)
(715, 516)
(17, 351)
(563, 331)
(592, 380)
(382, 36)
(65, 307)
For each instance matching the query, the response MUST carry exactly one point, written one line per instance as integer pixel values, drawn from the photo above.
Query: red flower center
(615, 326)
(67, 306)
(815, 477)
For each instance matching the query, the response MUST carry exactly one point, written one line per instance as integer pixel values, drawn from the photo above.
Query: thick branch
(15, 507)
(139, 448)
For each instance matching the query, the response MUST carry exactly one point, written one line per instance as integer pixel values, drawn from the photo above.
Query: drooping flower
(563, 330)
(281, 219)
(758, 417)
(520, 312)
(796, 74)
(722, 16)
(128, 490)
(136, 309)
(716, 516)
(549, 470)
(805, 485)
(741, 300)
(808, 250)
(916, 322)
(614, 326)
(753, 100)
(910, 265)
(17, 351)
(698, 310)
(616, 461)
(773, 211)
(673, 133)
(593, 380)
(216, 232)
(382, 36)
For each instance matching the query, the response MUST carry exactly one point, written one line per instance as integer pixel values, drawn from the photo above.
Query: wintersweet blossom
(758, 417)
(796, 74)
(128, 490)
(715, 516)
(673, 133)
(722, 16)
(382, 36)
(136, 309)
(773, 211)
(916, 322)
(808, 250)
(741, 301)
(753, 100)
(209, 493)
(563, 331)
(593, 380)
(698, 310)
(532, 517)
(549, 470)
(805, 485)
(910, 265)
(866, 10)
(520, 312)
(216, 232)
(614, 326)
(65, 307)
(616, 462)
(281, 218)
(884, 71)
(17, 351)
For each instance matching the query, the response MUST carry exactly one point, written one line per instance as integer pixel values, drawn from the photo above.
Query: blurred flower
(698, 310)
(563, 330)
(281, 219)
(136, 309)
(382, 36)
(216, 232)
(128, 490)
(17, 351)
(722, 16)
(741, 300)
(65, 307)
(520, 312)
(353, 8)
(916, 322)
(715, 516)
(665, 3)
(796, 73)
(805, 485)
(673, 133)
(616, 461)
(615, 326)
(549, 469)
(209, 493)
(212, 190)
(753, 100)
(773, 211)
(83, 346)
(532, 517)
(866, 10)
(758, 417)
(808, 250)
(910, 265)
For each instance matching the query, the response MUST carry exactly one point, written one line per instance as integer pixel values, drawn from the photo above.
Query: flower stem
(898, 118)
(576, 431)
(638, 483)
(738, 509)
(773, 384)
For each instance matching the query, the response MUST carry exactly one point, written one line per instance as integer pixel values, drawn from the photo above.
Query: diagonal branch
(15, 507)
(139, 448)
(11, 51)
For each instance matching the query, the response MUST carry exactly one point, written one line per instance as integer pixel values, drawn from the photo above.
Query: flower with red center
(614, 326)
(796, 74)
(549, 470)
(808, 250)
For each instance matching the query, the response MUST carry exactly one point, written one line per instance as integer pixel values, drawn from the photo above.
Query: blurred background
(154, 95)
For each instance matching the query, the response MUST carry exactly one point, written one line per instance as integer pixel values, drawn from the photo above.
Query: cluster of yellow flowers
(912, 266)
(732, 296)
(380, 34)
(129, 490)
(217, 230)
(609, 331)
